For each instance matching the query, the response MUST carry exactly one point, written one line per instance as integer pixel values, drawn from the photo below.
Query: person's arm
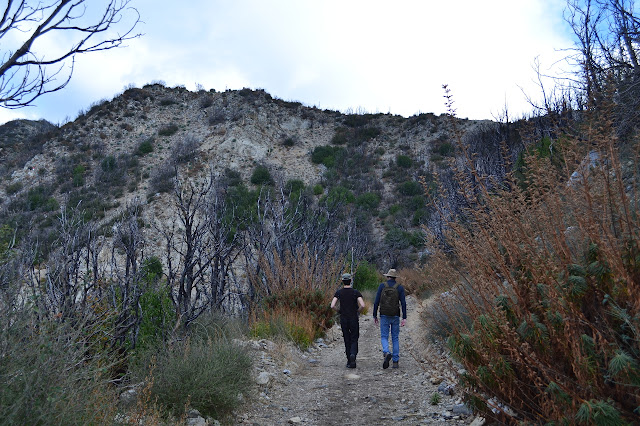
(360, 304)
(333, 303)
(403, 303)
(376, 303)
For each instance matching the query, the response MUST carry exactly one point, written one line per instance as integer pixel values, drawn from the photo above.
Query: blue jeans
(387, 322)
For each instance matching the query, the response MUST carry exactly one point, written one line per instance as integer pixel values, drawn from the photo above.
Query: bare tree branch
(27, 73)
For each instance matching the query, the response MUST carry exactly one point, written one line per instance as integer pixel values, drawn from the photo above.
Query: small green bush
(299, 336)
(294, 186)
(354, 136)
(368, 200)
(108, 164)
(39, 198)
(318, 189)
(145, 147)
(158, 316)
(261, 176)
(444, 149)
(14, 188)
(168, 130)
(232, 177)
(366, 277)
(395, 209)
(325, 155)
(206, 374)
(410, 188)
(404, 161)
(166, 101)
(51, 375)
(339, 195)
(78, 175)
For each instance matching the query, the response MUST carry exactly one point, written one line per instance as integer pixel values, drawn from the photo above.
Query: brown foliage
(547, 269)
(297, 290)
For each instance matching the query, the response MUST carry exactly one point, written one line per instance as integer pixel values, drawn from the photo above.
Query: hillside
(125, 148)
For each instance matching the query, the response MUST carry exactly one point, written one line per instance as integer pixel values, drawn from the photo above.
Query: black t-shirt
(348, 297)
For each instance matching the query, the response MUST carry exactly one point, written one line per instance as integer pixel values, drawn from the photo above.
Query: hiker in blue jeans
(390, 298)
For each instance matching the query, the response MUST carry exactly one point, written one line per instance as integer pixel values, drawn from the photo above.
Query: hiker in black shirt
(351, 303)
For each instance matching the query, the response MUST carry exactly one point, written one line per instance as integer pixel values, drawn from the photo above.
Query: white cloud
(379, 55)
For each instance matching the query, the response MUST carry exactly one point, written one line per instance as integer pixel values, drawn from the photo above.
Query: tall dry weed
(295, 291)
(544, 304)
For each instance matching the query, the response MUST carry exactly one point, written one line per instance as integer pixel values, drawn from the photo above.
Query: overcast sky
(350, 55)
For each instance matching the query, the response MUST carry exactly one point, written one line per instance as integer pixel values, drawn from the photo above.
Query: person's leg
(346, 335)
(394, 322)
(355, 334)
(384, 333)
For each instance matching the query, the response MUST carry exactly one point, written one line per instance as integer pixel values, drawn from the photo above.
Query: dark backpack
(389, 300)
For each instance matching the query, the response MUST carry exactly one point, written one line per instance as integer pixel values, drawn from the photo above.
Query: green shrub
(410, 188)
(404, 161)
(354, 136)
(443, 149)
(166, 101)
(339, 195)
(325, 155)
(294, 186)
(145, 147)
(398, 239)
(341, 136)
(368, 200)
(14, 188)
(261, 176)
(366, 277)
(108, 164)
(232, 177)
(206, 374)
(51, 375)
(395, 209)
(38, 198)
(318, 189)
(299, 336)
(168, 130)
(414, 203)
(157, 316)
(78, 175)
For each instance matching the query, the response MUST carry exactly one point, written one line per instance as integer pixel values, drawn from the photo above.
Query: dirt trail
(320, 390)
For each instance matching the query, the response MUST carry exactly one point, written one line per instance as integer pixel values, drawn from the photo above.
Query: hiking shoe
(395, 364)
(352, 361)
(387, 358)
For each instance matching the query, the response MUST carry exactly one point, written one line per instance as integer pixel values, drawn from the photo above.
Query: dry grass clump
(547, 270)
(296, 295)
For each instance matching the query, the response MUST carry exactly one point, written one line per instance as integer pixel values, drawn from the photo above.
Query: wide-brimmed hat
(346, 277)
(392, 273)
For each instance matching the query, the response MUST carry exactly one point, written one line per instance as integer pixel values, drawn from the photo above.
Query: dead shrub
(547, 268)
(296, 290)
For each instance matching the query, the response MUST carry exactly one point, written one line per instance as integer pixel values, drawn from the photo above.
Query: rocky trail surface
(316, 388)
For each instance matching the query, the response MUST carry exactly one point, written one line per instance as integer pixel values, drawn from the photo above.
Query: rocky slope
(145, 130)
